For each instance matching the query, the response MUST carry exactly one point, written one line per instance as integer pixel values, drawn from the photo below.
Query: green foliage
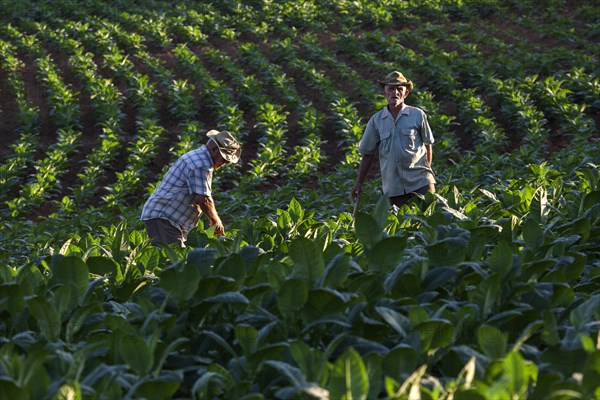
(489, 288)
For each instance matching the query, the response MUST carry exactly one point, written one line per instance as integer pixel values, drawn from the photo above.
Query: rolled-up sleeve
(199, 181)
(370, 139)
(426, 134)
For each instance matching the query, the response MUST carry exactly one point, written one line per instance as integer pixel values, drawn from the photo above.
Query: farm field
(487, 289)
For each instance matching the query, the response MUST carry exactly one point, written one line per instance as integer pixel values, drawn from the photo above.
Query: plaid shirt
(173, 199)
(401, 144)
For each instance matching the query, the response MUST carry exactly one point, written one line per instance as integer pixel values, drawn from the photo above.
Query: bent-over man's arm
(207, 205)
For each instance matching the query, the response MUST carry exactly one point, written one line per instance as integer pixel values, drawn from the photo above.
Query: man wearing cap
(403, 138)
(184, 194)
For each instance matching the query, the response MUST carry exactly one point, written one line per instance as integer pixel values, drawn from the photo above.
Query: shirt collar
(403, 111)
(204, 149)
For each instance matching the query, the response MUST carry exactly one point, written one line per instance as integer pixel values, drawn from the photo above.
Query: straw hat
(396, 79)
(229, 148)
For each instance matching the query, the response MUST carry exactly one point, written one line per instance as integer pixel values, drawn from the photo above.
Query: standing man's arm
(365, 166)
(207, 205)
(429, 150)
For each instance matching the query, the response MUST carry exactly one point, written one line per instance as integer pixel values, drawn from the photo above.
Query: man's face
(395, 95)
(218, 160)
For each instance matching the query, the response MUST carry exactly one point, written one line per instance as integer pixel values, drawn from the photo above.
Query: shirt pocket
(409, 138)
(385, 141)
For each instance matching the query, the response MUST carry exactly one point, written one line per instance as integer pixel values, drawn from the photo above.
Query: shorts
(402, 199)
(162, 231)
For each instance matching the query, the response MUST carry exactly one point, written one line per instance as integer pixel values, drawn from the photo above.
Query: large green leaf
(165, 350)
(71, 270)
(583, 316)
(454, 360)
(104, 266)
(417, 315)
(202, 259)
(373, 362)
(402, 283)
(387, 253)
(399, 361)
(510, 377)
(266, 352)
(380, 212)
(65, 300)
(308, 259)
(323, 302)
(213, 285)
(284, 221)
(137, 354)
(538, 208)
(439, 276)
(481, 236)
(29, 277)
(501, 259)
(435, 334)
(292, 296)
(591, 199)
(180, 281)
(10, 390)
(591, 372)
(247, 336)
(533, 234)
(290, 373)
(312, 361)
(209, 385)
(163, 387)
(368, 230)
(12, 298)
(549, 332)
(131, 286)
(77, 321)
(218, 308)
(331, 323)
(368, 286)
(336, 271)
(492, 341)
(397, 321)
(295, 210)
(46, 316)
(149, 258)
(349, 379)
(486, 294)
(450, 250)
(120, 242)
(233, 266)
(250, 255)
(232, 298)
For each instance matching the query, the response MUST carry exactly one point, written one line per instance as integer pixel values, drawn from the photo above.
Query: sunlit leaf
(349, 379)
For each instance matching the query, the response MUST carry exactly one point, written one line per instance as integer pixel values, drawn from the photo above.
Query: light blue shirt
(173, 199)
(401, 144)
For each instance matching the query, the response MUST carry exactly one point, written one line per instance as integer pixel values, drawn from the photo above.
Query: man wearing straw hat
(184, 194)
(403, 138)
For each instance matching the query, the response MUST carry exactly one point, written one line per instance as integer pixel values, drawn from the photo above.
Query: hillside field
(487, 289)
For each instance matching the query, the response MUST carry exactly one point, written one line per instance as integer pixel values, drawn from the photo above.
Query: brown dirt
(8, 112)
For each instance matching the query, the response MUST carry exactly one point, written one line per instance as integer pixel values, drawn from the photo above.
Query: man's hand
(356, 191)
(365, 165)
(219, 228)
(207, 206)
